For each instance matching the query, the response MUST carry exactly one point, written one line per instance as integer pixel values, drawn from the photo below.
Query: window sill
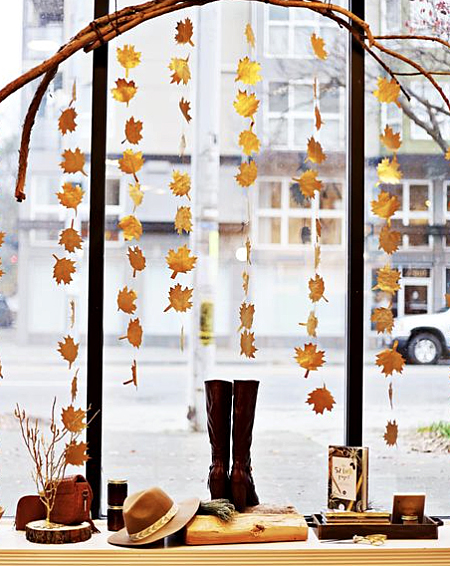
(17, 551)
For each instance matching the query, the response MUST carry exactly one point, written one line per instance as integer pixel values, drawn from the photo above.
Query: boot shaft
(218, 395)
(244, 404)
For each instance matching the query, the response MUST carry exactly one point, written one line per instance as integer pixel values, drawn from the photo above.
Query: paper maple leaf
(128, 57)
(321, 399)
(387, 279)
(68, 350)
(133, 130)
(180, 261)
(75, 453)
(447, 154)
(308, 183)
(314, 152)
(390, 140)
(309, 358)
(136, 194)
(183, 219)
(386, 205)
(74, 387)
(245, 281)
(249, 35)
(246, 314)
(136, 259)
(249, 142)
(66, 121)
(316, 289)
(318, 229)
(248, 72)
(389, 171)
(73, 420)
(180, 70)
(134, 333)
(248, 247)
(248, 348)
(184, 32)
(185, 107)
(133, 379)
(318, 118)
(246, 105)
(126, 300)
(71, 195)
(317, 254)
(70, 239)
(390, 360)
(318, 45)
(131, 226)
(63, 270)
(391, 434)
(181, 184)
(389, 240)
(72, 313)
(391, 396)
(248, 173)
(2, 238)
(124, 90)
(73, 161)
(383, 319)
(179, 298)
(388, 91)
(131, 162)
(311, 324)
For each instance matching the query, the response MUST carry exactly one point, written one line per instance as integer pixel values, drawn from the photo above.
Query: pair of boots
(238, 486)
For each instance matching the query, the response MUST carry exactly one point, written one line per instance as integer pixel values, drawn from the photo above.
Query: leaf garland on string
(185, 107)
(315, 153)
(389, 171)
(246, 105)
(134, 333)
(136, 194)
(390, 140)
(383, 319)
(318, 45)
(249, 35)
(311, 324)
(247, 174)
(70, 239)
(316, 286)
(137, 259)
(183, 219)
(131, 162)
(246, 314)
(180, 184)
(133, 130)
(133, 379)
(131, 226)
(249, 142)
(180, 70)
(68, 350)
(73, 161)
(63, 270)
(390, 360)
(124, 91)
(66, 121)
(179, 298)
(184, 33)
(248, 72)
(386, 205)
(309, 183)
(388, 279)
(391, 434)
(71, 196)
(126, 300)
(309, 358)
(388, 91)
(180, 261)
(76, 453)
(128, 57)
(248, 348)
(73, 419)
(321, 399)
(389, 240)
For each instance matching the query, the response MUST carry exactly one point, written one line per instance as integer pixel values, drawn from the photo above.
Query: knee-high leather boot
(244, 404)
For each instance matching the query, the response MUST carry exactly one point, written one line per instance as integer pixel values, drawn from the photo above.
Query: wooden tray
(426, 530)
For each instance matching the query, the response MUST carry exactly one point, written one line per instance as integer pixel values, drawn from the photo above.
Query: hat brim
(186, 510)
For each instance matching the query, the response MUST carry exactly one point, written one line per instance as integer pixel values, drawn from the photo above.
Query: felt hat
(151, 515)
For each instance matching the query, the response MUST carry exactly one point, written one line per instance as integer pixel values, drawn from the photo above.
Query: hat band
(157, 525)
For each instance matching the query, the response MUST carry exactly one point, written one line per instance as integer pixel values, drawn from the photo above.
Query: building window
(391, 18)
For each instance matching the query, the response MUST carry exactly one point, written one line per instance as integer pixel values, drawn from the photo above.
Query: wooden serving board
(36, 531)
(246, 527)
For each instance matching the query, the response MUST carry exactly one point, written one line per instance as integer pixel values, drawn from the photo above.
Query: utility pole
(205, 182)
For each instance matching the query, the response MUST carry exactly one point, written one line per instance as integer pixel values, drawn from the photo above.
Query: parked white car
(423, 338)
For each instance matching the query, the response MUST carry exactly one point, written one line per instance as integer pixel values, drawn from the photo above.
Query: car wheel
(424, 348)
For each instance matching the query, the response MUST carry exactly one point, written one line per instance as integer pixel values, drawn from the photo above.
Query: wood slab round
(37, 531)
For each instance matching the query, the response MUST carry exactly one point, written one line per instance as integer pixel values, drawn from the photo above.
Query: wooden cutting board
(246, 527)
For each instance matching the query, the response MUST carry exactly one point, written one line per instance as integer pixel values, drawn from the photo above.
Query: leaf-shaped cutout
(133, 130)
(246, 105)
(72, 313)
(246, 314)
(1, 270)
(391, 434)
(386, 205)
(317, 254)
(68, 350)
(136, 194)
(133, 379)
(318, 229)
(184, 32)
(245, 281)
(70, 239)
(447, 154)
(318, 45)
(180, 261)
(126, 300)
(248, 172)
(314, 152)
(316, 288)
(248, 72)
(74, 387)
(309, 183)
(309, 358)
(2, 238)
(180, 184)
(73, 419)
(137, 259)
(321, 399)
(248, 248)
(389, 171)
(76, 453)
(63, 270)
(383, 319)
(389, 240)
(134, 333)
(179, 298)
(249, 35)
(124, 90)
(248, 348)
(388, 91)
(180, 70)
(131, 162)
(183, 145)
(183, 219)
(185, 107)
(388, 279)
(73, 161)
(66, 121)
(131, 226)
(391, 396)
(128, 57)
(311, 324)
(390, 360)
(249, 142)
(71, 195)
(390, 140)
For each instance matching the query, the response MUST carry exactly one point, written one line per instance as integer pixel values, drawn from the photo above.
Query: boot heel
(239, 493)
(217, 489)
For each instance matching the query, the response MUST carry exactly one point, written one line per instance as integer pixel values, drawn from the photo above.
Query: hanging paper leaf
(391, 141)
(309, 183)
(133, 130)
(63, 270)
(387, 279)
(248, 348)
(183, 145)
(389, 171)
(1, 371)
(136, 259)
(180, 261)
(250, 36)
(390, 360)
(1, 270)
(185, 107)
(246, 105)
(2, 238)
(245, 281)
(184, 32)
(318, 118)
(315, 153)
(74, 93)
(131, 226)
(249, 142)
(386, 205)
(447, 154)
(181, 184)
(321, 399)
(246, 314)
(134, 333)
(75, 453)
(68, 350)
(309, 358)
(72, 313)
(248, 247)
(383, 319)
(71, 195)
(318, 45)
(73, 420)
(317, 253)
(318, 229)
(248, 173)
(316, 289)
(133, 379)
(183, 219)
(180, 70)
(73, 161)
(74, 387)
(248, 72)
(66, 121)
(131, 162)
(388, 91)
(311, 324)
(128, 57)
(179, 299)
(391, 434)
(70, 239)
(126, 300)
(391, 396)
(124, 90)
(389, 240)
(136, 194)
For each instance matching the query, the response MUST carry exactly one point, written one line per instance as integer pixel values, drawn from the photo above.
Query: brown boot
(244, 404)
(218, 395)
